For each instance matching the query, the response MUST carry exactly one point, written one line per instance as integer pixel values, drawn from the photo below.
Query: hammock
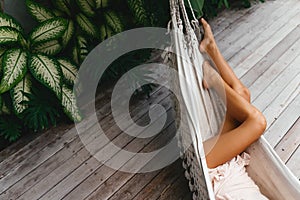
(204, 113)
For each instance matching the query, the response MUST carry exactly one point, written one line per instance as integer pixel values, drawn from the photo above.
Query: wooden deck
(263, 46)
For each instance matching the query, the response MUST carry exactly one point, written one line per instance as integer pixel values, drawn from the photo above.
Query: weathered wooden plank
(274, 89)
(289, 143)
(24, 140)
(260, 67)
(14, 154)
(72, 141)
(293, 163)
(52, 179)
(242, 37)
(114, 183)
(282, 101)
(132, 187)
(290, 31)
(282, 124)
(76, 177)
(241, 28)
(111, 182)
(31, 148)
(228, 18)
(276, 86)
(243, 53)
(159, 183)
(265, 79)
(42, 171)
(175, 190)
(19, 170)
(258, 33)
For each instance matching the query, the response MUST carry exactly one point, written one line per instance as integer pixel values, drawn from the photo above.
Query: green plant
(83, 17)
(28, 58)
(210, 8)
(10, 127)
(43, 109)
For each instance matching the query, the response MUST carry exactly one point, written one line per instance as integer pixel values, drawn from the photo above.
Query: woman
(243, 125)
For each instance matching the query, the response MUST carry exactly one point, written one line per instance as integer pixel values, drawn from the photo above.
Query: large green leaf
(8, 35)
(105, 32)
(6, 20)
(113, 21)
(18, 94)
(80, 50)
(39, 12)
(47, 71)
(50, 48)
(49, 30)
(2, 52)
(70, 105)
(69, 70)
(197, 6)
(86, 25)
(101, 3)
(63, 5)
(43, 108)
(14, 68)
(139, 11)
(10, 127)
(68, 33)
(87, 7)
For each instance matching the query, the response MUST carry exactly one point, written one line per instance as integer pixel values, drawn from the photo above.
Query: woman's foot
(208, 43)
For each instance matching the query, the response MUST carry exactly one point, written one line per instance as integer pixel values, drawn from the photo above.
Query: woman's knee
(244, 92)
(259, 122)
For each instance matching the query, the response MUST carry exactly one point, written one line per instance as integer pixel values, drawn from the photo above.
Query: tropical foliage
(28, 62)
(212, 7)
(38, 69)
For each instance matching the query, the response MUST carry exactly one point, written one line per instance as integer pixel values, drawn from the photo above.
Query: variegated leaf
(80, 50)
(83, 47)
(105, 32)
(69, 70)
(86, 25)
(18, 94)
(2, 52)
(8, 35)
(6, 20)
(63, 5)
(98, 3)
(5, 108)
(49, 30)
(113, 21)
(14, 68)
(68, 33)
(47, 71)
(58, 13)
(87, 7)
(70, 105)
(50, 48)
(39, 12)
(75, 54)
(101, 3)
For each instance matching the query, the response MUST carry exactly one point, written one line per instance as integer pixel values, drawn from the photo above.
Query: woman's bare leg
(209, 46)
(252, 123)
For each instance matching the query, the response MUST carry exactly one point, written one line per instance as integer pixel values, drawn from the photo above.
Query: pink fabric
(231, 181)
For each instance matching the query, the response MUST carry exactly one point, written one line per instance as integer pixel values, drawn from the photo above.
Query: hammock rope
(205, 112)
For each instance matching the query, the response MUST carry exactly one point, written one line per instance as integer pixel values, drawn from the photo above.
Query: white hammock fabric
(205, 112)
